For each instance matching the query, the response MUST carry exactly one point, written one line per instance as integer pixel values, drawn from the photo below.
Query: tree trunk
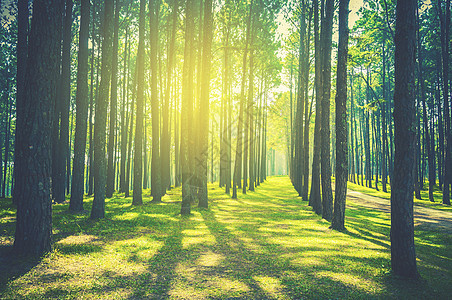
(113, 106)
(250, 114)
(100, 119)
(315, 199)
(130, 134)
(307, 114)
(91, 121)
(403, 256)
(341, 120)
(298, 158)
(138, 152)
(352, 133)
(157, 189)
(146, 165)
(62, 123)
(445, 27)
(238, 155)
(187, 133)
(166, 133)
(204, 102)
(34, 127)
(327, 193)
(77, 187)
(440, 130)
(122, 167)
(384, 177)
(177, 167)
(417, 167)
(225, 143)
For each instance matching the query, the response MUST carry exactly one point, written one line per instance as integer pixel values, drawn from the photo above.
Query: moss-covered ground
(267, 244)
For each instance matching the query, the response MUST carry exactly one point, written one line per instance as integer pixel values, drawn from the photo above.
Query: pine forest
(225, 149)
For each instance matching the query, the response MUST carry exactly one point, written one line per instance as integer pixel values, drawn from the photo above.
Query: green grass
(424, 202)
(267, 244)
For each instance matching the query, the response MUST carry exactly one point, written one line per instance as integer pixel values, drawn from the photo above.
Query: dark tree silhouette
(100, 118)
(110, 188)
(61, 123)
(403, 255)
(34, 127)
(187, 138)
(157, 189)
(327, 30)
(341, 120)
(138, 153)
(315, 199)
(77, 187)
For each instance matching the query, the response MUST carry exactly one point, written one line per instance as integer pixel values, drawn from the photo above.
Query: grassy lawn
(267, 244)
(424, 202)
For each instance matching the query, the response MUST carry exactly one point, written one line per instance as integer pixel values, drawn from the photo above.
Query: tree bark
(157, 189)
(100, 119)
(77, 187)
(327, 193)
(91, 121)
(299, 152)
(166, 133)
(341, 120)
(403, 255)
(307, 114)
(445, 27)
(204, 102)
(384, 177)
(315, 199)
(34, 127)
(122, 167)
(113, 106)
(138, 152)
(62, 117)
(130, 136)
(187, 137)
(247, 100)
(238, 154)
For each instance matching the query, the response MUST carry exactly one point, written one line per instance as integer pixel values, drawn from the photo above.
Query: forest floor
(267, 244)
(423, 216)
(423, 202)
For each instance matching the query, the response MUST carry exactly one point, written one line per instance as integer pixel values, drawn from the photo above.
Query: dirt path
(423, 217)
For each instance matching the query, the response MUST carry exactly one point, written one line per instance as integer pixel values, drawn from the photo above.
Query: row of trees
(134, 93)
(371, 84)
(152, 80)
(401, 72)
(318, 22)
(371, 132)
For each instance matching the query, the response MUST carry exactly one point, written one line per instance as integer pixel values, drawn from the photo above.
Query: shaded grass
(265, 245)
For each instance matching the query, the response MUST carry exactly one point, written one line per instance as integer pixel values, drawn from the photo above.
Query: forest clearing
(267, 244)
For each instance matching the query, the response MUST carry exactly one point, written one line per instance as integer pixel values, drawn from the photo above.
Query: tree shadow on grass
(279, 264)
(162, 266)
(13, 266)
(241, 261)
(364, 235)
(270, 275)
